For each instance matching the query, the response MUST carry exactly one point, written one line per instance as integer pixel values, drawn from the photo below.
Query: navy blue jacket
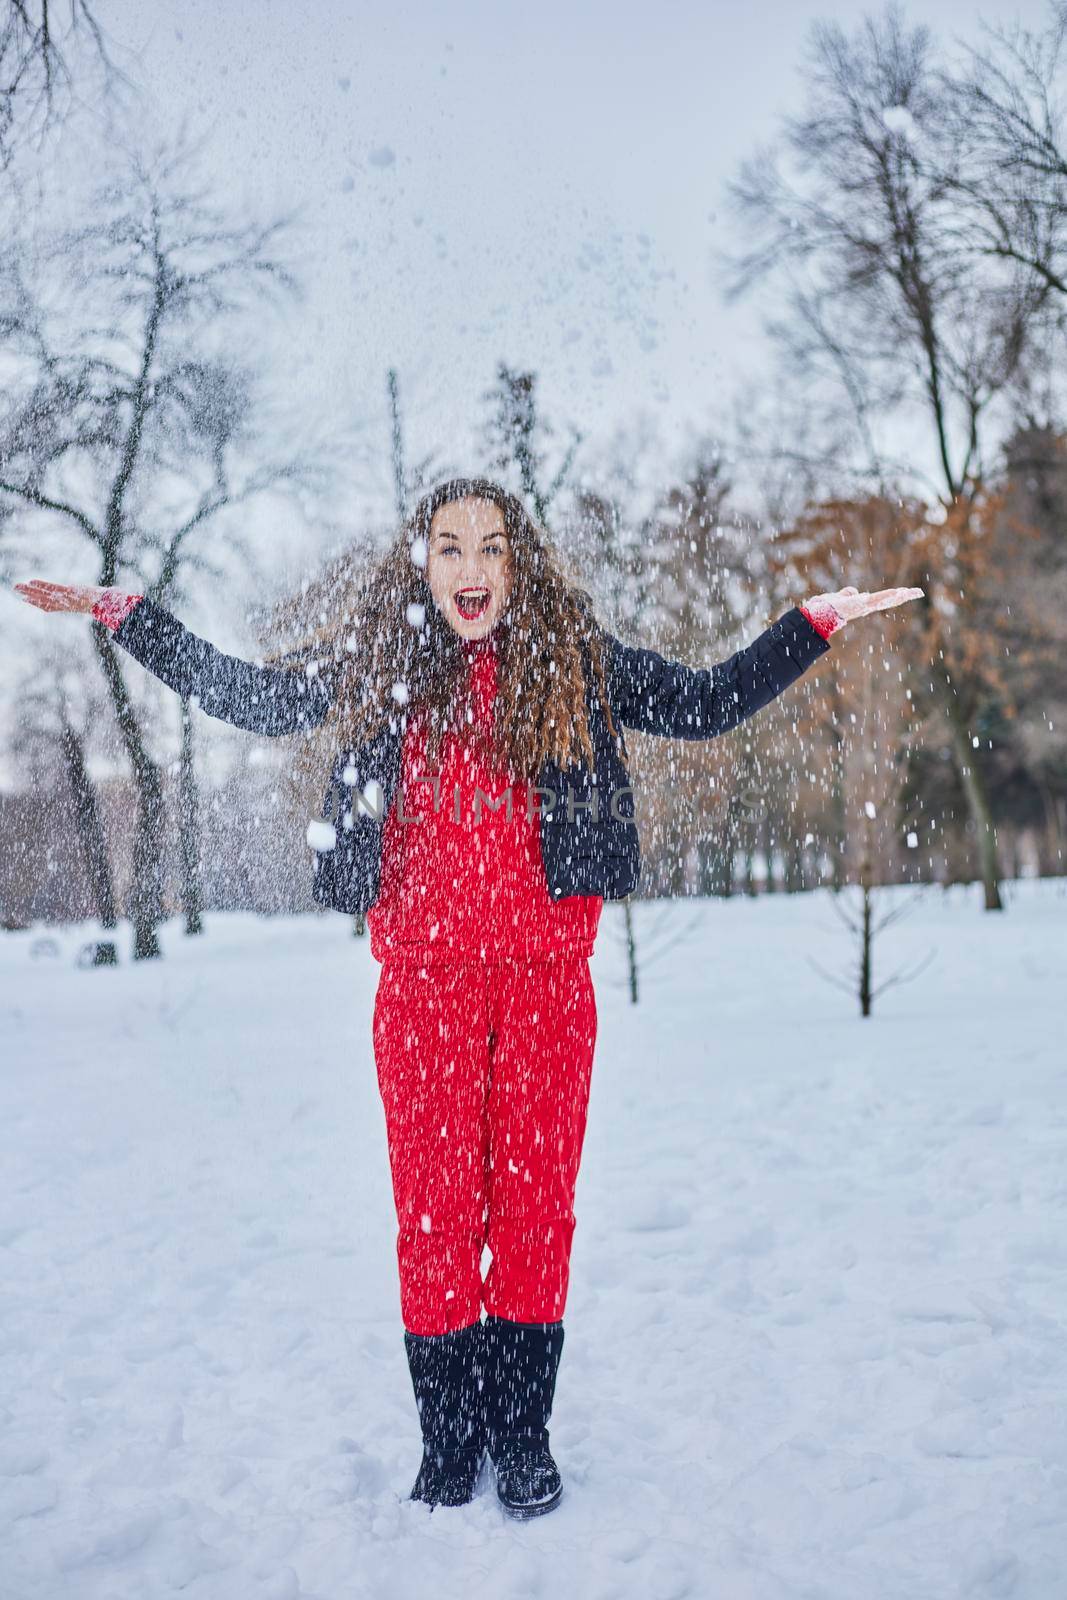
(589, 838)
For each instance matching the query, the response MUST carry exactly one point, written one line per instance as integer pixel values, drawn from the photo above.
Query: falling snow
(815, 1326)
(321, 835)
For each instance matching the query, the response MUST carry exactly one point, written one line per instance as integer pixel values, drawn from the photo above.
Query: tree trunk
(794, 865)
(189, 828)
(748, 876)
(974, 789)
(1011, 851)
(766, 833)
(721, 868)
(91, 834)
(838, 805)
(1050, 837)
(631, 948)
(147, 892)
(865, 954)
(712, 868)
(957, 854)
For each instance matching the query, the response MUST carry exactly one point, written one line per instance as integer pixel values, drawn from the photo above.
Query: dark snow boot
(521, 1361)
(446, 1374)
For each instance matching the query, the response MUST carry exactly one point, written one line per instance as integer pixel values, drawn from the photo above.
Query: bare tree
(408, 482)
(40, 42)
(867, 231)
(875, 773)
(517, 432)
(55, 724)
(865, 928)
(664, 929)
(128, 423)
(189, 827)
(874, 778)
(1009, 173)
(400, 486)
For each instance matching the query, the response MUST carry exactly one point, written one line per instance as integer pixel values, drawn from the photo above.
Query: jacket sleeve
(654, 695)
(267, 700)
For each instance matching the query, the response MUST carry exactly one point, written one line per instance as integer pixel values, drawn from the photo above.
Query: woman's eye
(494, 549)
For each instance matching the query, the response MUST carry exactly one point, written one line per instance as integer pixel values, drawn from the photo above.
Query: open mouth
(471, 603)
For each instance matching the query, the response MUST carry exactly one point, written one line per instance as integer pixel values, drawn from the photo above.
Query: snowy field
(817, 1330)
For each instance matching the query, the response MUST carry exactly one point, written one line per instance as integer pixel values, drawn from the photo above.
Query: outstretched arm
(654, 695)
(265, 700)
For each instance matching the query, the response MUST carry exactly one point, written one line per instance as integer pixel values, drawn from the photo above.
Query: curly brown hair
(394, 635)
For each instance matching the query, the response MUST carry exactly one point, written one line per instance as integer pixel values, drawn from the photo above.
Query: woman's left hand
(850, 602)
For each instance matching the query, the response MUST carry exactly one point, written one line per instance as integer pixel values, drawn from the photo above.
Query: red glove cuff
(824, 617)
(114, 606)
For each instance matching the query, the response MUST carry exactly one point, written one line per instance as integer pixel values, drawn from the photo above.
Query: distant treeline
(849, 776)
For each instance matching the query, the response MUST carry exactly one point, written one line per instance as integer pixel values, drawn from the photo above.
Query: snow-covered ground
(817, 1329)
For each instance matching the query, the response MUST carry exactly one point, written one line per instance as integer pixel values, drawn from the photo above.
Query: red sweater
(468, 882)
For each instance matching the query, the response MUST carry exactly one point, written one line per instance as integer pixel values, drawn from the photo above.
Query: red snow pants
(484, 1069)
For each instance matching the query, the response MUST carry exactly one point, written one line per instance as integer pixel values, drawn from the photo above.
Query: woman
(479, 812)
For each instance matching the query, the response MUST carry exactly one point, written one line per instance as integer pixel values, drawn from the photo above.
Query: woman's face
(468, 565)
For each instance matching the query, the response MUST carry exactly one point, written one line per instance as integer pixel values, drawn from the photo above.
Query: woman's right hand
(60, 596)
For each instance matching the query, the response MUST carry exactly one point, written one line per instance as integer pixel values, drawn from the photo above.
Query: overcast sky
(483, 180)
